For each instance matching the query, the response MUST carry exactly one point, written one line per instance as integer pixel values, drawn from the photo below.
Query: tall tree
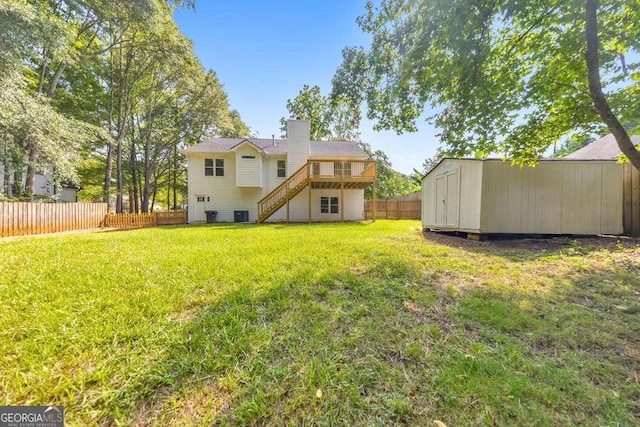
(330, 117)
(504, 76)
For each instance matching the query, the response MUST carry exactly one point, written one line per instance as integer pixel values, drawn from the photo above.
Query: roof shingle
(605, 148)
(316, 148)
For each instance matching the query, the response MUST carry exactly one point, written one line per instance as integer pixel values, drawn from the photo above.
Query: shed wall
(554, 197)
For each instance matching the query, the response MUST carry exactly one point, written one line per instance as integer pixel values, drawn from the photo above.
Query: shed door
(448, 199)
(441, 198)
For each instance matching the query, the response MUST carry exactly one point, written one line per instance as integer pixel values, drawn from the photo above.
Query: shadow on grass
(380, 346)
(265, 352)
(526, 248)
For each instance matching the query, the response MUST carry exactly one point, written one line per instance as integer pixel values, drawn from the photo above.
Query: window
(200, 198)
(342, 169)
(219, 167)
(315, 168)
(211, 170)
(208, 167)
(248, 157)
(334, 205)
(329, 205)
(282, 168)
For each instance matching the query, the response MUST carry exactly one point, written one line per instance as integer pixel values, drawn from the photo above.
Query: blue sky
(265, 51)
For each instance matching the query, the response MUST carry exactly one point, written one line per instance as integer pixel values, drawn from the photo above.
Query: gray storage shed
(490, 196)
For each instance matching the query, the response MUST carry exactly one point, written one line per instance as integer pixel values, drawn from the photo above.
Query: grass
(365, 324)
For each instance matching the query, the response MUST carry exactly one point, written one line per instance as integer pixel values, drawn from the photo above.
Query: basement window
(329, 205)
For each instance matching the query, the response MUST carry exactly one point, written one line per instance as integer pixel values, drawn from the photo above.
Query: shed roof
(278, 146)
(605, 148)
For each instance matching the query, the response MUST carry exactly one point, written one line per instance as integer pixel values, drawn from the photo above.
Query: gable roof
(605, 148)
(247, 142)
(317, 148)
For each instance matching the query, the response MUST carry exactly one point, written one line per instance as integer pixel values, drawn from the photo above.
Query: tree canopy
(332, 118)
(503, 76)
(111, 87)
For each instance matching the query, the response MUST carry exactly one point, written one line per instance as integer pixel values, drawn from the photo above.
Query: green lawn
(366, 324)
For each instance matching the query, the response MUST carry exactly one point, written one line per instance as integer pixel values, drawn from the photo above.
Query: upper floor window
(282, 168)
(213, 167)
(208, 167)
(248, 157)
(342, 168)
(315, 168)
(219, 167)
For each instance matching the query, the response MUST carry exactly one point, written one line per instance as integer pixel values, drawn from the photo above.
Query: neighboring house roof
(605, 148)
(316, 148)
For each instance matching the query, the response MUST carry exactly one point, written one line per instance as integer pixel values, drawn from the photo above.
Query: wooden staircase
(284, 192)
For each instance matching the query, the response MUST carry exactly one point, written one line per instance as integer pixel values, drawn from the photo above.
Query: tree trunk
(119, 175)
(107, 177)
(6, 173)
(595, 86)
(134, 176)
(175, 176)
(31, 173)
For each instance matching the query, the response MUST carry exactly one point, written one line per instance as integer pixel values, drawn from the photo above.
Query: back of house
(293, 179)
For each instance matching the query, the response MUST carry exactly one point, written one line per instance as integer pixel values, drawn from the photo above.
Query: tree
(105, 83)
(504, 76)
(330, 117)
(571, 144)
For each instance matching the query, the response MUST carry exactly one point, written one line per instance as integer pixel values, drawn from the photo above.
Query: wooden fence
(394, 209)
(20, 219)
(171, 217)
(127, 220)
(631, 197)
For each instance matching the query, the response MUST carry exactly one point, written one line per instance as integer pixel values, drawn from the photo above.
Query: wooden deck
(319, 174)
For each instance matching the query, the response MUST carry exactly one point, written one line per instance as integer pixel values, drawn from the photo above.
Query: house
(43, 185)
(293, 179)
(490, 196)
(605, 148)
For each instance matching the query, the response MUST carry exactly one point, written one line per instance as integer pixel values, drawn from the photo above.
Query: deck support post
(287, 196)
(341, 199)
(309, 184)
(373, 213)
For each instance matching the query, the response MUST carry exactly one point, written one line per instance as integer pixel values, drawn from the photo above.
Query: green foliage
(571, 144)
(389, 183)
(505, 76)
(329, 117)
(270, 325)
(118, 83)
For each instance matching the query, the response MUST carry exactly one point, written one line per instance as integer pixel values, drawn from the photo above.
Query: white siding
(222, 195)
(299, 207)
(297, 145)
(248, 167)
(247, 180)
